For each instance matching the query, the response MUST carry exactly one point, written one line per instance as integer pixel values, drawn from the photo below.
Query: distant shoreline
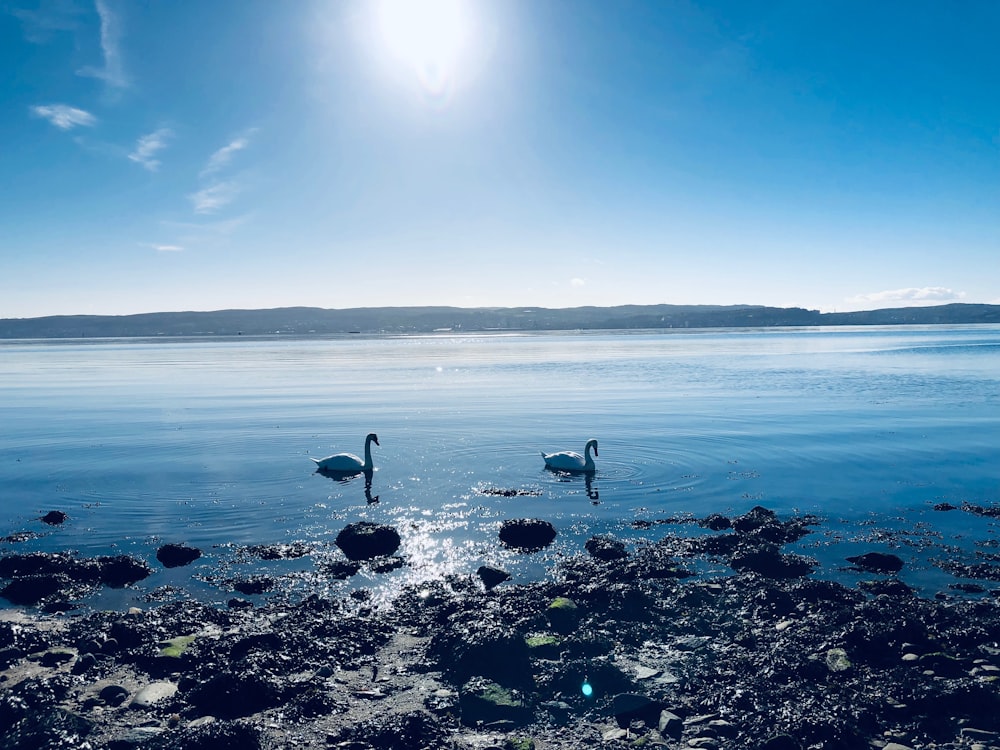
(307, 321)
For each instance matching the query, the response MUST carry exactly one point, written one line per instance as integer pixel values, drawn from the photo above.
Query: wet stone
(177, 555)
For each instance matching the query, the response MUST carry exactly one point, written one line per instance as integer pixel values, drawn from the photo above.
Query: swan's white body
(570, 461)
(348, 462)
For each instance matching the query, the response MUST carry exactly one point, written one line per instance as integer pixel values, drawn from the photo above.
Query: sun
(426, 38)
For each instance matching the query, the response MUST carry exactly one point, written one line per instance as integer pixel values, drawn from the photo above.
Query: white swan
(348, 462)
(570, 461)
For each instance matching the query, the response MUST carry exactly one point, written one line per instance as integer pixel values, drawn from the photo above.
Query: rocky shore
(616, 649)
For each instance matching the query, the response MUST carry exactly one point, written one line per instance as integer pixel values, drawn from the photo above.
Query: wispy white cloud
(927, 295)
(224, 155)
(163, 248)
(577, 282)
(210, 199)
(113, 71)
(148, 146)
(217, 192)
(63, 116)
(49, 18)
(208, 232)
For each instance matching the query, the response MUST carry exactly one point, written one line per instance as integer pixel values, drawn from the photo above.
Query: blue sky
(247, 154)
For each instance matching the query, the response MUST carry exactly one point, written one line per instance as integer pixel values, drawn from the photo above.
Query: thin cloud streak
(927, 295)
(112, 73)
(40, 25)
(163, 248)
(210, 199)
(63, 116)
(224, 155)
(148, 146)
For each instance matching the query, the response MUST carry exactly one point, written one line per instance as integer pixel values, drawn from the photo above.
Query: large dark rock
(44, 563)
(121, 570)
(527, 534)
(604, 548)
(365, 540)
(492, 577)
(176, 555)
(769, 562)
(31, 590)
(877, 562)
(54, 517)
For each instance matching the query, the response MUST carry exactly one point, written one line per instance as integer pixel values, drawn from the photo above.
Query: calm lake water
(207, 442)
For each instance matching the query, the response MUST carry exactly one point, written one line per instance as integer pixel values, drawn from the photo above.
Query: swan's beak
(596, 453)
(375, 439)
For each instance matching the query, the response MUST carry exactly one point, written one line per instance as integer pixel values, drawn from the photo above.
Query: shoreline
(762, 657)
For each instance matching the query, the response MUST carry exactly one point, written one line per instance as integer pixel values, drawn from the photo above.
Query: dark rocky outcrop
(527, 534)
(365, 540)
(877, 562)
(631, 656)
(492, 577)
(177, 555)
(604, 548)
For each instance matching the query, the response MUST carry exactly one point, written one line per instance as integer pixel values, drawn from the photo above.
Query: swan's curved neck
(368, 452)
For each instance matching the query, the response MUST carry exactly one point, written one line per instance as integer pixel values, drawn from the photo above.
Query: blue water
(207, 442)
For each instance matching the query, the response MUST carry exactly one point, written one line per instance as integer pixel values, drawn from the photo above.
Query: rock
(837, 661)
(113, 695)
(486, 701)
(754, 519)
(877, 562)
(895, 746)
(365, 540)
(253, 586)
(341, 569)
(152, 694)
(563, 615)
(603, 548)
(121, 570)
(31, 590)
(715, 522)
(55, 657)
(527, 534)
(492, 577)
(543, 646)
(670, 724)
(54, 517)
(626, 707)
(175, 647)
(84, 664)
(176, 555)
(768, 561)
(722, 727)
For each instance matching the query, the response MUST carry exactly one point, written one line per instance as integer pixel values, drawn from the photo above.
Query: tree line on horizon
(306, 321)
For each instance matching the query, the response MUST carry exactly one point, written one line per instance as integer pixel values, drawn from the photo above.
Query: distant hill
(303, 321)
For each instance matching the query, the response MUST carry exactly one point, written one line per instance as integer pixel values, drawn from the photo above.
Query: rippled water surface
(208, 442)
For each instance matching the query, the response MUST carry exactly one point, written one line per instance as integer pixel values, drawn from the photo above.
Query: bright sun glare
(428, 38)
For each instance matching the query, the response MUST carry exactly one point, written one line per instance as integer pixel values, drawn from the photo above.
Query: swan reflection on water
(588, 480)
(344, 477)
